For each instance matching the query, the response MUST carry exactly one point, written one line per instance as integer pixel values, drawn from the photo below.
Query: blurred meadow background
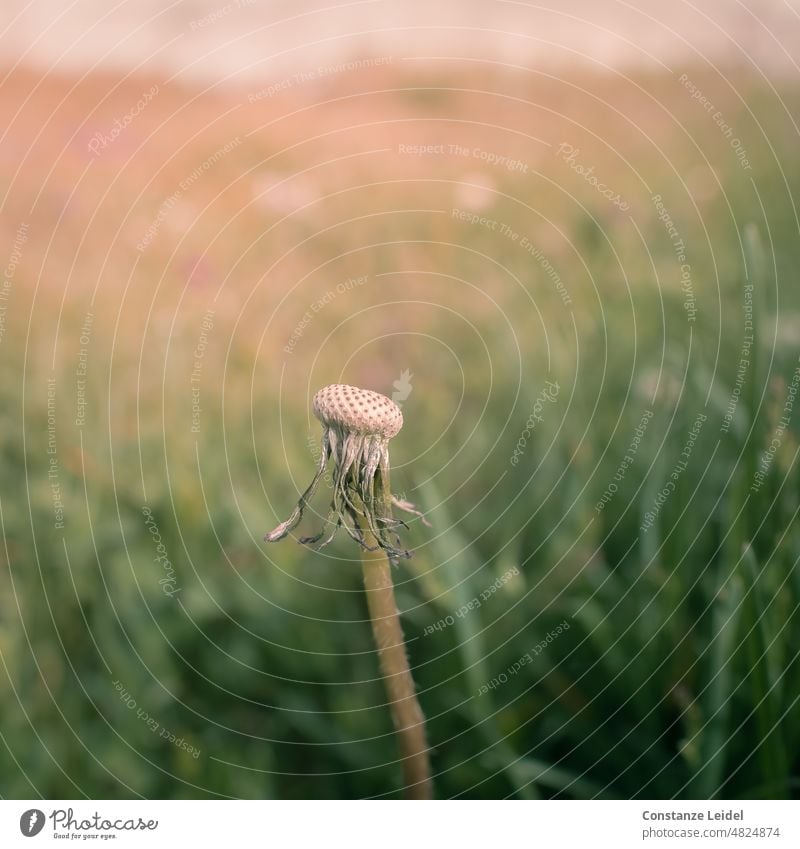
(208, 213)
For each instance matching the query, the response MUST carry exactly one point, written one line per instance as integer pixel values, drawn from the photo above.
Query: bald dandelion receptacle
(357, 426)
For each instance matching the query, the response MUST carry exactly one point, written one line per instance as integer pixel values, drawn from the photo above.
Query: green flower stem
(409, 721)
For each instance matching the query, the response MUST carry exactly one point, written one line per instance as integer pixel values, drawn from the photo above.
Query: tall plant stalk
(409, 721)
(357, 426)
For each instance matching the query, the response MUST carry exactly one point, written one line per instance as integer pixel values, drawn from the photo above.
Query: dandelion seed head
(357, 425)
(357, 410)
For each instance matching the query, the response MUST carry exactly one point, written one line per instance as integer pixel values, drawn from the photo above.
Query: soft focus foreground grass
(679, 672)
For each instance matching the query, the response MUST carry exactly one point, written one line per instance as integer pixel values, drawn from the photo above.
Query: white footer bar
(400, 825)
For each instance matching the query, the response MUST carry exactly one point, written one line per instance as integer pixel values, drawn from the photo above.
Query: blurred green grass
(679, 675)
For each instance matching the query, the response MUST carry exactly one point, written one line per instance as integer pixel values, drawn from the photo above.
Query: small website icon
(31, 822)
